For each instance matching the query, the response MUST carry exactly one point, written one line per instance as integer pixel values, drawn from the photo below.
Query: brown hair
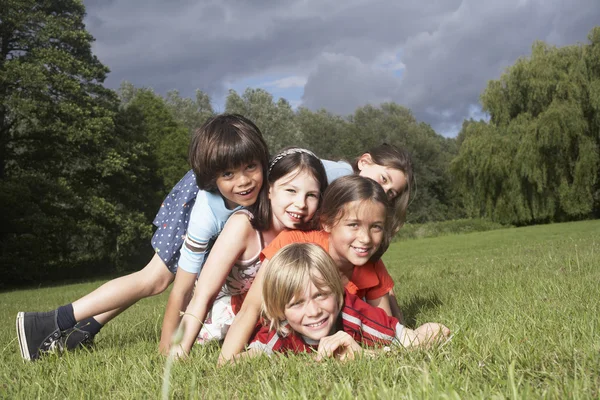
(225, 142)
(296, 159)
(390, 156)
(288, 274)
(351, 188)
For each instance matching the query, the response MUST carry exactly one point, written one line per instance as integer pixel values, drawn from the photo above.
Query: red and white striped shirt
(365, 323)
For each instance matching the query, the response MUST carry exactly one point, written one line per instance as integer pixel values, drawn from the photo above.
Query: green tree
(538, 158)
(324, 133)
(187, 112)
(57, 146)
(126, 195)
(50, 87)
(167, 138)
(275, 120)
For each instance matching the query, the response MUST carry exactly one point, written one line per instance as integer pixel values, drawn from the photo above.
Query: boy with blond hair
(307, 309)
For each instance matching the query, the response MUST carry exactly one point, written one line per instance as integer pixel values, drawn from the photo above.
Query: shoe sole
(22, 338)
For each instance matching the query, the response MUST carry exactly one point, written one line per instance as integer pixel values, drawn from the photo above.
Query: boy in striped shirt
(307, 309)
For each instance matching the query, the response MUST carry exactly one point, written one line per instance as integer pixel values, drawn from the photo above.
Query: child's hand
(431, 333)
(177, 352)
(340, 345)
(164, 348)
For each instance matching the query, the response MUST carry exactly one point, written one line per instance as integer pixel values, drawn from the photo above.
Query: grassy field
(523, 304)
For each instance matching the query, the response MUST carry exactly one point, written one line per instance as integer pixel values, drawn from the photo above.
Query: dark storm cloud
(450, 49)
(340, 83)
(447, 69)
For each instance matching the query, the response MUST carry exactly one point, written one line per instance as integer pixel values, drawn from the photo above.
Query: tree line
(538, 158)
(83, 169)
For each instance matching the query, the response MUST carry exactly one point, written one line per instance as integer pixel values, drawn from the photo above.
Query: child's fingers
(339, 344)
(327, 346)
(439, 332)
(178, 352)
(348, 354)
(446, 331)
(431, 333)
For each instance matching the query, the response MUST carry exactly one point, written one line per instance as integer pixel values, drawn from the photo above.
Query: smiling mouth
(295, 216)
(246, 192)
(361, 251)
(317, 324)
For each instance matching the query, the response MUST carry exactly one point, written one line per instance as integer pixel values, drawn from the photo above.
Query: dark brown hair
(351, 188)
(294, 159)
(225, 142)
(390, 156)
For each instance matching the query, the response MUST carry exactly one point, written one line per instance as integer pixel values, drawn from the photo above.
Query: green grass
(442, 228)
(523, 304)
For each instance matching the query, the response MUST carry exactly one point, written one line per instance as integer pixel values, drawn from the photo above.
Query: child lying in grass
(307, 309)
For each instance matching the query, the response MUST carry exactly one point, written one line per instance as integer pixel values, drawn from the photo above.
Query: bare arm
(202, 226)
(230, 245)
(245, 320)
(382, 302)
(396, 311)
(178, 300)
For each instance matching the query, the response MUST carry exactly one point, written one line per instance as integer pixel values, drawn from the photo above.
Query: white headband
(287, 153)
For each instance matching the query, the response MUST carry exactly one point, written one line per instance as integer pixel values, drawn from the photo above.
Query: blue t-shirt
(336, 169)
(207, 220)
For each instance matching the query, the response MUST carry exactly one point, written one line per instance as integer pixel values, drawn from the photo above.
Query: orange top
(369, 281)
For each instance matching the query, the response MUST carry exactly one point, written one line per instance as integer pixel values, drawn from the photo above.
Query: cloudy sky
(434, 57)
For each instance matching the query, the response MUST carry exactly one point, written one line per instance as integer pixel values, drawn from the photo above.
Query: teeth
(246, 192)
(294, 215)
(316, 324)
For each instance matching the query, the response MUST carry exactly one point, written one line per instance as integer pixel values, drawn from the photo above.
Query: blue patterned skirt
(172, 220)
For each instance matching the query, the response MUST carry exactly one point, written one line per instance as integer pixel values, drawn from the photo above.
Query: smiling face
(240, 186)
(294, 199)
(312, 313)
(392, 180)
(357, 235)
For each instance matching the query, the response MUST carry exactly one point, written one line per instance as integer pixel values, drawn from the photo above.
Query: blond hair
(288, 275)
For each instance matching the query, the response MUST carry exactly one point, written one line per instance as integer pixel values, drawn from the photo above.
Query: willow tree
(538, 157)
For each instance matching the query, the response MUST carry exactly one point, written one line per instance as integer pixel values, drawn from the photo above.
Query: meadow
(523, 305)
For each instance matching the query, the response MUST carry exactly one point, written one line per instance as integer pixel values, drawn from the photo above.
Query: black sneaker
(75, 337)
(38, 333)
